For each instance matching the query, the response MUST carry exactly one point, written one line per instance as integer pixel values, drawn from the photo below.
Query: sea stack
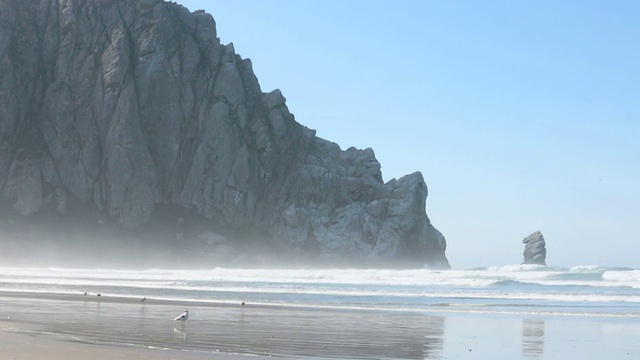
(534, 250)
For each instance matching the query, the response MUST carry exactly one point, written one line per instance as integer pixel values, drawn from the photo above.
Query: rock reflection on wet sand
(278, 331)
(533, 338)
(314, 333)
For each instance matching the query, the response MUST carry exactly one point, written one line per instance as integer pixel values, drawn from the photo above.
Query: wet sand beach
(38, 326)
(36, 346)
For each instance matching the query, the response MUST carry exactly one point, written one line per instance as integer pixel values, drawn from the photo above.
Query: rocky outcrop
(535, 251)
(131, 106)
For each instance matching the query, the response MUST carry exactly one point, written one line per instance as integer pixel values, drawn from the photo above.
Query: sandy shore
(25, 335)
(22, 346)
(77, 323)
(77, 326)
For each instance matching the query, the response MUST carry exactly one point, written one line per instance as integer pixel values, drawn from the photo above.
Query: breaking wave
(529, 287)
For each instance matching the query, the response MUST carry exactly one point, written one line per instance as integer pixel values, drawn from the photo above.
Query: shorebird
(183, 317)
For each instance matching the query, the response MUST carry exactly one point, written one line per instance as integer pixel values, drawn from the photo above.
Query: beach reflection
(533, 338)
(181, 334)
(264, 331)
(434, 339)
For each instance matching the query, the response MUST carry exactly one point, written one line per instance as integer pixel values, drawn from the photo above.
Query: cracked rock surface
(127, 107)
(535, 251)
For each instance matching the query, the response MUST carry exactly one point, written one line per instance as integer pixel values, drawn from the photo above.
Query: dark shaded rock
(535, 251)
(119, 108)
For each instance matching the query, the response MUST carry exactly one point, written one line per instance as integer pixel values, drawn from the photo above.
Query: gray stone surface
(535, 251)
(127, 106)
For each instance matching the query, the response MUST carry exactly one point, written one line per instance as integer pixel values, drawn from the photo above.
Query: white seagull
(183, 317)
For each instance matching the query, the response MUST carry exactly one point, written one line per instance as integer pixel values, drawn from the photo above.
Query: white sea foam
(629, 277)
(531, 274)
(587, 268)
(511, 285)
(517, 268)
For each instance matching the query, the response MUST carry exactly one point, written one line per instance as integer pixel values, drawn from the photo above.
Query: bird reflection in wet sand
(182, 333)
(532, 338)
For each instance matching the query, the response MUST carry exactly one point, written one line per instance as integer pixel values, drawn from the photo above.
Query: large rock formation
(131, 107)
(534, 250)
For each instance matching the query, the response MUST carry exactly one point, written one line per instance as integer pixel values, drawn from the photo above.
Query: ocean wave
(577, 276)
(513, 277)
(587, 268)
(512, 283)
(628, 277)
(518, 268)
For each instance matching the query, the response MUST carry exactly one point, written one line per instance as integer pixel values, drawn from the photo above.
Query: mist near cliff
(89, 240)
(173, 239)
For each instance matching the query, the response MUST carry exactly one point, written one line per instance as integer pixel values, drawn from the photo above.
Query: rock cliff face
(535, 251)
(128, 107)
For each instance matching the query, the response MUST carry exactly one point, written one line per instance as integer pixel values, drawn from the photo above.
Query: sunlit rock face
(535, 251)
(128, 106)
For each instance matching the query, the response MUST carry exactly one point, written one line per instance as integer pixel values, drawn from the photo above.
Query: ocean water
(500, 312)
(512, 289)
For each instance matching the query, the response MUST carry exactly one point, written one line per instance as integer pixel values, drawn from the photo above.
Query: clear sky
(521, 115)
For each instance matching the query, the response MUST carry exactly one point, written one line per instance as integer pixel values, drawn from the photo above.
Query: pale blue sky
(521, 115)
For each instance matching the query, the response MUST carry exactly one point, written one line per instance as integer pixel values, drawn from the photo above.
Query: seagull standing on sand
(183, 317)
